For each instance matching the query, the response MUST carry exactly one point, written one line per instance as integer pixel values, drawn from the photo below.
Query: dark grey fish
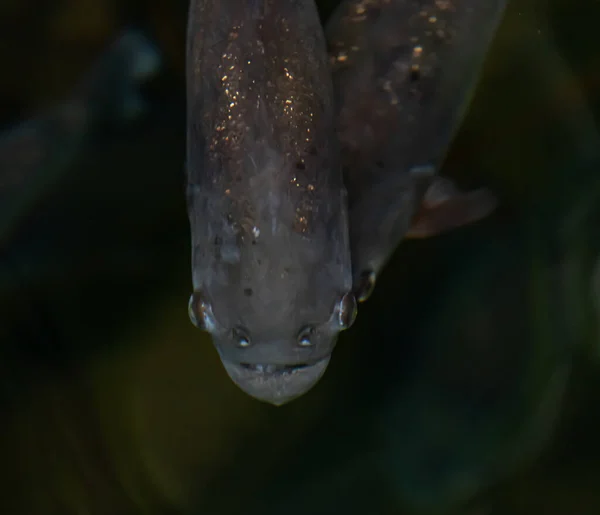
(403, 74)
(34, 154)
(266, 200)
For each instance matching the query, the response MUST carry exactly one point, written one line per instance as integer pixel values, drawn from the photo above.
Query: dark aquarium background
(470, 383)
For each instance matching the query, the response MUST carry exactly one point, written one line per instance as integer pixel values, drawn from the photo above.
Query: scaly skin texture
(266, 201)
(403, 75)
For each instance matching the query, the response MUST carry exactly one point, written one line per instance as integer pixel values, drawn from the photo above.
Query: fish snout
(276, 384)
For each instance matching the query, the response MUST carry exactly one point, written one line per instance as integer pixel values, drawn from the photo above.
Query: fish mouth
(276, 384)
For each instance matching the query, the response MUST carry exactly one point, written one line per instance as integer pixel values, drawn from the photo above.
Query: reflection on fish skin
(34, 154)
(267, 206)
(403, 73)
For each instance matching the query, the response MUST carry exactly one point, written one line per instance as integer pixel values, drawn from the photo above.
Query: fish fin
(445, 207)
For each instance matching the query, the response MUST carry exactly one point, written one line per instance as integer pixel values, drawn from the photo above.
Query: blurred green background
(469, 384)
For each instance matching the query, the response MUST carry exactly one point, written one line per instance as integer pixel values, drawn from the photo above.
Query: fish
(271, 267)
(404, 72)
(311, 154)
(35, 153)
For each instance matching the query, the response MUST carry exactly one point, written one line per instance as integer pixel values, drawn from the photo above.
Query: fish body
(403, 73)
(266, 200)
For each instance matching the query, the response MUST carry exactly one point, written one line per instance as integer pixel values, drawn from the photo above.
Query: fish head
(275, 338)
(271, 269)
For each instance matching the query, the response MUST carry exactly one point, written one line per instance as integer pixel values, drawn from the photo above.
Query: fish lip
(276, 384)
(272, 370)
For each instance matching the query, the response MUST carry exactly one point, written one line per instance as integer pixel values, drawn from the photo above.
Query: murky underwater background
(469, 384)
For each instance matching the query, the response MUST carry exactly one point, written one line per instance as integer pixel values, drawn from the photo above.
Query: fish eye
(366, 285)
(240, 335)
(200, 313)
(304, 336)
(347, 310)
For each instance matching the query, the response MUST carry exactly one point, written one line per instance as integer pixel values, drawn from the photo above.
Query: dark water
(469, 384)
